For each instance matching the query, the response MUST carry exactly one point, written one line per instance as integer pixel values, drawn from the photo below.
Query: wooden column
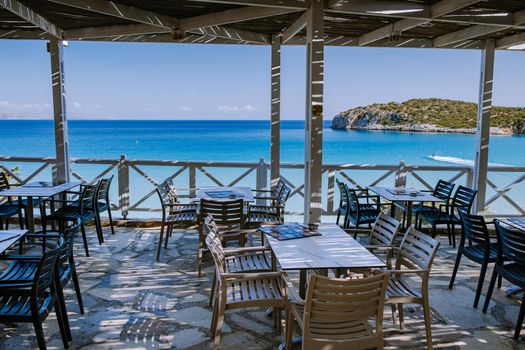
(61, 173)
(483, 124)
(314, 113)
(275, 128)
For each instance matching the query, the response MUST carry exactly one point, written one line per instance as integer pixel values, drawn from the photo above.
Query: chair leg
(453, 235)
(449, 234)
(393, 306)
(401, 318)
(213, 327)
(98, 227)
(499, 281)
(433, 230)
(160, 240)
(220, 320)
(41, 339)
(76, 284)
(338, 216)
(169, 228)
(61, 324)
(61, 302)
(520, 319)
(455, 271)
(480, 283)
(213, 286)
(110, 219)
(289, 329)
(490, 290)
(428, 321)
(84, 238)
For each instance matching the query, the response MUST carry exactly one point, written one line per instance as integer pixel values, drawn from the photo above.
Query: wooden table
(6, 243)
(518, 224)
(244, 193)
(404, 195)
(39, 190)
(333, 249)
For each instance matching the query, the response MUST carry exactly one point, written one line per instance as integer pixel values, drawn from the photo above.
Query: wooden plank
(464, 34)
(10, 237)
(231, 16)
(294, 28)
(510, 41)
(31, 16)
(293, 4)
(115, 9)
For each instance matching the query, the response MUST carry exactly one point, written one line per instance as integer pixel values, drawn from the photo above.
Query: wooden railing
(133, 190)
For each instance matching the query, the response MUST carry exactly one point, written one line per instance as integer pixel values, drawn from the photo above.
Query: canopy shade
(416, 23)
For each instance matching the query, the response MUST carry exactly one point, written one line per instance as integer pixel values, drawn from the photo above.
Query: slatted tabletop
(38, 189)
(333, 249)
(244, 193)
(10, 237)
(402, 194)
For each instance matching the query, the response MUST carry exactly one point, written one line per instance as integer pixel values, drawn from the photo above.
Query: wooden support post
(275, 128)
(483, 126)
(123, 186)
(61, 173)
(261, 179)
(314, 113)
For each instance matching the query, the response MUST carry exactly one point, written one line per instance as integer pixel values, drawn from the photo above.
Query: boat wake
(458, 161)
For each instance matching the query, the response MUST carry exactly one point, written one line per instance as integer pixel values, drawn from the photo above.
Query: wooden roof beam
(31, 16)
(510, 41)
(118, 10)
(405, 9)
(231, 16)
(294, 28)
(438, 9)
(292, 4)
(475, 31)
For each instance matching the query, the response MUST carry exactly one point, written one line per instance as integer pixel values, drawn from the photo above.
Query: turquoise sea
(246, 141)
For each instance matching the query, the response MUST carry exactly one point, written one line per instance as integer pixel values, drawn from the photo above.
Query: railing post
(192, 180)
(470, 178)
(401, 175)
(261, 178)
(123, 186)
(331, 192)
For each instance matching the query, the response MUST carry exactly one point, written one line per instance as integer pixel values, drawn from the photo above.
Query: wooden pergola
(484, 25)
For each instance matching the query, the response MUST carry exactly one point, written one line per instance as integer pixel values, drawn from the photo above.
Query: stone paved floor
(133, 302)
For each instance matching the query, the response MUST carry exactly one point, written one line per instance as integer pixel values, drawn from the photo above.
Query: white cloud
(185, 108)
(77, 105)
(249, 108)
(9, 109)
(228, 108)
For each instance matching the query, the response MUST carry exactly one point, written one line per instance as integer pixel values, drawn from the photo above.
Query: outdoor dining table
(40, 189)
(404, 195)
(224, 193)
(332, 249)
(518, 224)
(10, 237)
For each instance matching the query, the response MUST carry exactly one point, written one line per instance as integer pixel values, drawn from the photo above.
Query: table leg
(409, 214)
(30, 219)
(393, 210)
(302, 283)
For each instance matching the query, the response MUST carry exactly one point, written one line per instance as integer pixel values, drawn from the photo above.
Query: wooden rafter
(31, 16)
(438, 9)
(294, 28)
(293, 4)
(118, 10)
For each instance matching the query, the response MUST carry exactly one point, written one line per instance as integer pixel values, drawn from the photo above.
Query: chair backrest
(66, 253)
(214, 244)
(278, 188)
(165, 195)
(229, 213)
(88, 197)
(474, 229)
(45, 271)
(103, 188)
(343, 194)
(353, 199)
(511, 244)
(4, 181)
(417, 251)
(443, 190)
(385, 230)
(463, 199)
(283, 196)
(331, 300)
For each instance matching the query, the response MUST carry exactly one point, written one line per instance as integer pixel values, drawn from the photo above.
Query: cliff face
(429, 115)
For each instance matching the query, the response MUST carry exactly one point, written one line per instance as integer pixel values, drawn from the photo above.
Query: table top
(223, 193)
(516, 223)
(6, 243)
(403, 194)
(38, 189)
(334, 248)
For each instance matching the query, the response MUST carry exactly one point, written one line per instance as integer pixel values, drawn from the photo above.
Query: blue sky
(169, 81)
